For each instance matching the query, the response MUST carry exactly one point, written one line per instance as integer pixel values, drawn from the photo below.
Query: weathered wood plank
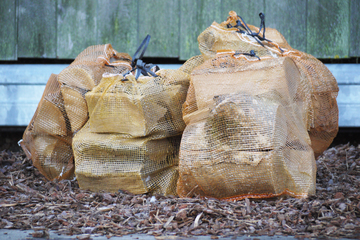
(248, 9)
(345, 74)
(160, 19)
(21, 87)
(349, 94)
(349, 115)
(117, 24)
(355, 28)
(37, 29)
(76, 26)
(287, 16)
(18, 103)
(8, 30)
(38, 74)
(195, 17)
(28, 74)
(328, 28)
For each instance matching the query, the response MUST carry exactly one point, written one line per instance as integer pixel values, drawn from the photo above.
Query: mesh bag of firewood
(84, 74)
(245, 136)
(62, 110)
(112, 161)
(131, 141)
(148, 106)
(321, 113)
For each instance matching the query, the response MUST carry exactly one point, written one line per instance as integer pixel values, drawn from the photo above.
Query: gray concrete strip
(12, 234)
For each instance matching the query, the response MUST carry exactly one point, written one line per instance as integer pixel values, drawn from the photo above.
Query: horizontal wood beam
(21, 87)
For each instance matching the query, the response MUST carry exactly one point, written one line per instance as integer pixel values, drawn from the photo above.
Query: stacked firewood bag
(257, 113)
(62, 110)
(245, 119)
(131, 140)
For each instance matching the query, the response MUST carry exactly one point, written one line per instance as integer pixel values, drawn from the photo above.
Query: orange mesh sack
(321, 110)
(191, 63)
(62, 110)
(47, 140)
(245, 136)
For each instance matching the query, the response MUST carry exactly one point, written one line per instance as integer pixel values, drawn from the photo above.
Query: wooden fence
(63, 28)
(50, 29)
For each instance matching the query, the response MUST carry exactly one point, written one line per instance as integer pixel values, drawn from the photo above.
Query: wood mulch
(29, 201)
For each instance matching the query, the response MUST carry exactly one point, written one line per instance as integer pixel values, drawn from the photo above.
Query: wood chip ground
(29, 201)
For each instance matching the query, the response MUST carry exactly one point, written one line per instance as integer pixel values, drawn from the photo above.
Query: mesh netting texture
(257, 113)
(131, 140)
(322, 110)
(62, 110)
(246, 118)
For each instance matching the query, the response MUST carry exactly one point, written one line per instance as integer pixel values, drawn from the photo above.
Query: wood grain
(117, 24)
(195, 17)
(76, 26)
(8, 30)
(328, 28)
(289, 18)
(354, 28)
(37, 29)
(160, 19)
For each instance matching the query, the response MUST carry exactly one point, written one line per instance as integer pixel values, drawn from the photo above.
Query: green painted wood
(248, 9)
(37, 29)
(355, 28)
(195, 17)
(8, 30)
(328, 28)
(76, 26)
(160, 19)
(117, 23)
(287, 16)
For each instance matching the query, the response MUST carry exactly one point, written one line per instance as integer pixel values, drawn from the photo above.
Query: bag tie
(138, 64)
(256, 36)
(251, 53)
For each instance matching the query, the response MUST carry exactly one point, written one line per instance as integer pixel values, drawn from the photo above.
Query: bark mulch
(29, 201)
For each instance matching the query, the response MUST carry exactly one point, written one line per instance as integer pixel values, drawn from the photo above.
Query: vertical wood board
(8, 30)
(248, 9)
(355, 28)
(195, 17)
(76, 26)
(37, 29)
(160, 19)
(117, 24)
(289, 18)
(328, 28)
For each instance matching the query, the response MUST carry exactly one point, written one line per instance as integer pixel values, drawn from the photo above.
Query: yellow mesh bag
(84, 74)
(62, 110)
(322, 111)
(143, 107)
(245, 135)
(109, 162)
